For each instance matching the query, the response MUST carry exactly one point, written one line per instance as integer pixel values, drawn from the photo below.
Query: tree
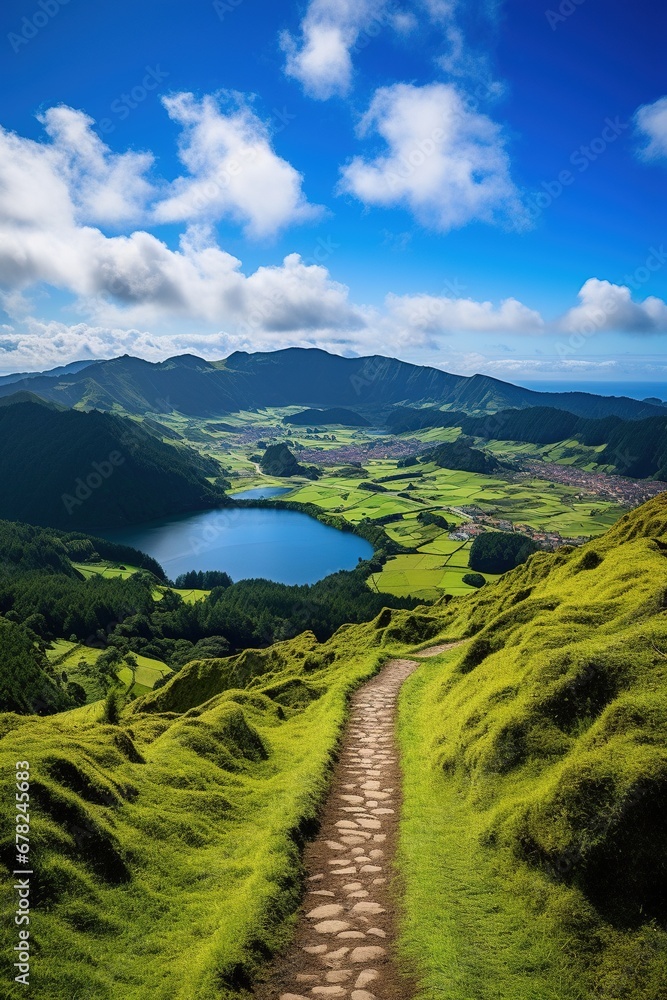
(76, 693)
(113, 706)
(106, 667)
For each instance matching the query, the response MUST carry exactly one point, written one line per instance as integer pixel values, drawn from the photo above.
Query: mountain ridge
(298, 376)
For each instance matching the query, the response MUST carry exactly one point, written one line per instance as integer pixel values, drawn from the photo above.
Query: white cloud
(70, 180)
(74, 179)
(606, 307)
(197, 296)
(105, 187)
(49, 192)
(403, 21)
(651, 122)
(444, 161)
(40, 345)
(436, 315)
(321, 59)
(232, 170)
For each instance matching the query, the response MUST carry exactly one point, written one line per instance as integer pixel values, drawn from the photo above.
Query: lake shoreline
(277, 544)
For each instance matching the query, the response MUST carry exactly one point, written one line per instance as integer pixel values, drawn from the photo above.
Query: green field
(68, 655)
(105, 569)
(537, 504)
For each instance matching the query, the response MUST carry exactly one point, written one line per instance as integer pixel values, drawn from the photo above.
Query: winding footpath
(343, 947)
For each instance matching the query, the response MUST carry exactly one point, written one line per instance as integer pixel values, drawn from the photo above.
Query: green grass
(466, 929)
(438, 566)
(67, 656)
(534, 841)
(105, 569)
(192, 596)
(167, 849)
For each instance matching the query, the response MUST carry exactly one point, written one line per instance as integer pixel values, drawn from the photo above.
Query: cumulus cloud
(445, 161)
(606, 307)
(73, 178)
(50, 192)
(296, 304)
(131, 292)
(38, 345)
(436, 315)
(105, 187)
(233, 170)
(651, 123)
(321, 58)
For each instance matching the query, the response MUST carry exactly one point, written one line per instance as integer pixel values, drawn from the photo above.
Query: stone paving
(345, 935)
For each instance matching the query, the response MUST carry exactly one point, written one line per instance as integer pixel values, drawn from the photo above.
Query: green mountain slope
(298, 376)
(534, 853)
(76, 470)
(636, 448)
(536, 771)
(61, 370)
(278, 460)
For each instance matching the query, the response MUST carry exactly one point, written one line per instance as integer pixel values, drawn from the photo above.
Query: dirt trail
(343, 947)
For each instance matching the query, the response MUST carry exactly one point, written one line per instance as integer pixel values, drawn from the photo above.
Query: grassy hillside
(76, 470)
(535, 838)
(533, 834)
(459, 456)
(167, 848)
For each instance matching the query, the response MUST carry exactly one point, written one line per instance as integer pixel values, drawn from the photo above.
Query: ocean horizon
(635, 390)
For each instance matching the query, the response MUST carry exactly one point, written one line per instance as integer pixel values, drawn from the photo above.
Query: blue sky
(477, 186)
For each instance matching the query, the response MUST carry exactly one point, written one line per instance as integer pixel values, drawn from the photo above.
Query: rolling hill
(76, 470)
(636, 448)
(297, 376)
(533, 848)
(334, 415)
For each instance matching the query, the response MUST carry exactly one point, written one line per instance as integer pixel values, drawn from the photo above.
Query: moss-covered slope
(166, 849)
(546, 737)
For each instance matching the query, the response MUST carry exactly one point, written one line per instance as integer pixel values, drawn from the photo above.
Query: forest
(500, 551)
(86, 470)
(43, 596)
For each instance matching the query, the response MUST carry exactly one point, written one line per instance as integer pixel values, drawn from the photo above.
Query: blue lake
(262, 493)
(282, 545)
